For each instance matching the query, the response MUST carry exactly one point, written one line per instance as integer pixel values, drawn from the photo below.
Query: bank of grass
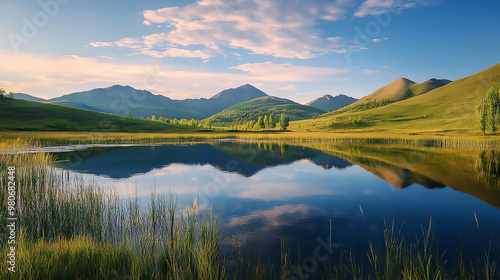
(73, 229)
(453, 140)
(69, 228)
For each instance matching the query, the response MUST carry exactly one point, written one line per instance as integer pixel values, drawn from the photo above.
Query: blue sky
(289, 48)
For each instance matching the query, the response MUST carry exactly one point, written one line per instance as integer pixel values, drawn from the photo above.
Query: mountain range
(329, 103)
(122, 100)
(435, 105)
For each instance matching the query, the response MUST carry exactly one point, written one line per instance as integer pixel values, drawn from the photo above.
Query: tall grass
(376, 137)
(74, 229)
(70, 228)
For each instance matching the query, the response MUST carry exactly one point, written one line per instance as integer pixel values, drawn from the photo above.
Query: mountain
(395, 91)
(418, 89)
(25, 115)
(229, 97)
(121, 100)
(403, 88)
(25, 96)
(444, 109)
(329, 103)
(253, 109)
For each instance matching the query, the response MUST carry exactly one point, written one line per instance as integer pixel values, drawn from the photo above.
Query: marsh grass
(431, 139)
(71, 228)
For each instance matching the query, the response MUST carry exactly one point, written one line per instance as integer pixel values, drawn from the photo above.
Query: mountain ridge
(450, 107)
(331, 103)
(121, 100)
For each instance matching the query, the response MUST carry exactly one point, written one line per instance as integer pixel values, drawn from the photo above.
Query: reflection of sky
(299, 200)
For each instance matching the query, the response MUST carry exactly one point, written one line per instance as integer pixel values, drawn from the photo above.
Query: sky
(293, 49)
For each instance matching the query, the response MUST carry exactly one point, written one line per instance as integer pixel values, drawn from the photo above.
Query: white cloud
(289, 87)
(274, 217)
(50, 76)
(100, 44)
(377, 7)
(370, 71)
(378, 40)
(279, 28)
(287, 71)
(146, 22)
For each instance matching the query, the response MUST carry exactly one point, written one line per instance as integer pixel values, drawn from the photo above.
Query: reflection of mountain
(245, 159)
(400, 177)
(460, 169)
(270, 154)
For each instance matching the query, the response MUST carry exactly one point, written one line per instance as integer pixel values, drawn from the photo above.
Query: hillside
(121, 100)
(253, 109)
(395, 91)
(25, 96)
(398, 90)
(329, 103)
(444, 109)
(419, 89)
(25, 115)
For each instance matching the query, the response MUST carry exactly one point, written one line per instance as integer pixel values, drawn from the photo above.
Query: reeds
(73, 229)
(430, 139)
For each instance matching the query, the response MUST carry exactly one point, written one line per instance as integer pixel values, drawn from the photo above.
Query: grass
(452, 140)
(73, 229)
(24, 115)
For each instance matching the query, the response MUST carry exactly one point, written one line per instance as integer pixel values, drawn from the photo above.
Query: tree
(250, 124)
(11, 95)
(2, 92)
(193, 123)
(261, 123)
(129, 114)
(284, 121)
(493, 101)
(272, 121)
(209, 124)
(266, 121)
(482, 114)
(153, 118)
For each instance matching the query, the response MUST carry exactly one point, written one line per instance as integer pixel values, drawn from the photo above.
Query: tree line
(185, 122)
(269, 122)
(487, 110)
(3, 94)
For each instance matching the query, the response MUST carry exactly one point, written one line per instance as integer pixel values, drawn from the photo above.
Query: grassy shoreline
(65, 138)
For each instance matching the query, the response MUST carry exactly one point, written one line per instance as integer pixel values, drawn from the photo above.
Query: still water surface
(273, 192)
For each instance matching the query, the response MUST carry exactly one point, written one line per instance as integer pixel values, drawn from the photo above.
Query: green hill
(329, 103)
(25, 115)
(419, 89)
(253, 109)
(398, 90)
(395, 91)
(446, 108)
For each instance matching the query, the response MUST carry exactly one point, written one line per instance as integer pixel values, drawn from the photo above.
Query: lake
(302, 195)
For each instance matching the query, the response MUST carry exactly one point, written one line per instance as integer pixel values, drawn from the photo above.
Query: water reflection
(273, 190)
(250, 158)
(487, 168)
